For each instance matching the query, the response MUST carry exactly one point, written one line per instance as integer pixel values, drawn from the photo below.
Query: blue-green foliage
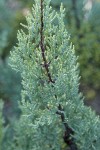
(5, 28)
(10, 88)
(40, 127)
(9, 81)
(84, 25)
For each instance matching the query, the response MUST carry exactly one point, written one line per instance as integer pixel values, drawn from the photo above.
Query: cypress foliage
(53, 114)
(83, 23)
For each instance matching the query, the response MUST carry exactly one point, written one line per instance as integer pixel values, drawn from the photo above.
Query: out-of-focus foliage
(83, 22)
(8, 11)
(9, 91)
(10, 88)
(9, 81)
(1, 124)
(5, 28)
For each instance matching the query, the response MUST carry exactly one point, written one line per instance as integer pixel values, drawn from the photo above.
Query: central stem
(68, 131)
(43, 47)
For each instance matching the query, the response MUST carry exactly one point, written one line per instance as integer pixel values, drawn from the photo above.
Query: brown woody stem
(68, 139)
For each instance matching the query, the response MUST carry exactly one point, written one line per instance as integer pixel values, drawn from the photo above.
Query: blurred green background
(82, 19)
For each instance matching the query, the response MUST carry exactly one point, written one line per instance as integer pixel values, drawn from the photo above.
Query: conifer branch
(68, 131)
(35, 94)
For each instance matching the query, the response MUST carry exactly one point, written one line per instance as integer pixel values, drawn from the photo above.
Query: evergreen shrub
(53, 114)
